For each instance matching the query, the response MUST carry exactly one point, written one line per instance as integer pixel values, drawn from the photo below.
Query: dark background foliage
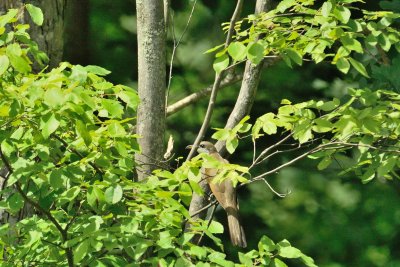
(335, 219)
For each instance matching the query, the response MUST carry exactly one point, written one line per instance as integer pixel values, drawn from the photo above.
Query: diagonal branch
(247, 94)
(216, 85)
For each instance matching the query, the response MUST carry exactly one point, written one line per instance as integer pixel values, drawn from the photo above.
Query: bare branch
(190, 99)
(209, 223)
(265, 151)
(204, 208)
(176, 44)
(312, 151)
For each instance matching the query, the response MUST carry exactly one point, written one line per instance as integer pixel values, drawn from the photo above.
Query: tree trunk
(49, 36)
(151, 84)
(76, 38)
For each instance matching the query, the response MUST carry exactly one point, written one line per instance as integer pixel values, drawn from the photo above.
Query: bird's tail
(236, 231)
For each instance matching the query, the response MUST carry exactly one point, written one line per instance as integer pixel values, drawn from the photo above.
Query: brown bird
(225, 194)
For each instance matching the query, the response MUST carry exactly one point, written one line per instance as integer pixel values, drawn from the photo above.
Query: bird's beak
(189, 147)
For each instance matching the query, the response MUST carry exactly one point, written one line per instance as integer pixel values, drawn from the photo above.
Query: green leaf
(17, 59)
(214, 48)
(216, 228)
(290, 252)
(279, 263)
(324, 163)
(115, 129)
(81, 251)
(359, 67)
(113, 108)
(199, 252)
(103, 85)
(295, 55)
(326, 9)
(15, 202)
(49, 124)
(57, 179)
(95, 196)
(237, 51)
(97, 70)
(231, 144)
(342, 13)
(285, 4)
(69, 195)
(268, 123)
(130, 97)
(351, 43)
(343, 65)
(246, 260)
(219, 258)
(4, 19)
(221, 63)
(221, 134)
(54, 97)
(83, 132)
(255, 53)
(266, 244)
(322, 125)
(4, 64)
(36, 14)
(113, 194)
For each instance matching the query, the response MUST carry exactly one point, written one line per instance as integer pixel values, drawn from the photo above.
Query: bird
(225, 194)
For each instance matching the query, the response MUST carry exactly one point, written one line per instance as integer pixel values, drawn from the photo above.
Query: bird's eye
(202, 146)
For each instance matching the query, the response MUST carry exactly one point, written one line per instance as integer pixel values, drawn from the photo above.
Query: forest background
(337, 220)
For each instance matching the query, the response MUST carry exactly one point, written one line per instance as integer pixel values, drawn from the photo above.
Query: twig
(208, 224)
(190, 99)
(274, 191)
(317, 149)
(176, 44)
(204, 208)
(207, 118)
(265, 151)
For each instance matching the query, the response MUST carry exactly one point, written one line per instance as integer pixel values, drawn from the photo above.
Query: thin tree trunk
(151, 84)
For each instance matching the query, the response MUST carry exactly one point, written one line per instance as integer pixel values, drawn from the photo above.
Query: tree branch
(247, 94)
(312, 151)
(193, 98)
(217, 81)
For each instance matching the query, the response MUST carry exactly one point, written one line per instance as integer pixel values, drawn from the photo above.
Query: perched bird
(225, 194)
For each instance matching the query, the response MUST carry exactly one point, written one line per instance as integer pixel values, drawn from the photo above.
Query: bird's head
(204, 147)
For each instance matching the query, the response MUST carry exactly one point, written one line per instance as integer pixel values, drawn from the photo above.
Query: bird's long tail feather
(236, 231)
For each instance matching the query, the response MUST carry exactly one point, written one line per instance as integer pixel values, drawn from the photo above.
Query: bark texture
(49, 36)
(151, 84)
